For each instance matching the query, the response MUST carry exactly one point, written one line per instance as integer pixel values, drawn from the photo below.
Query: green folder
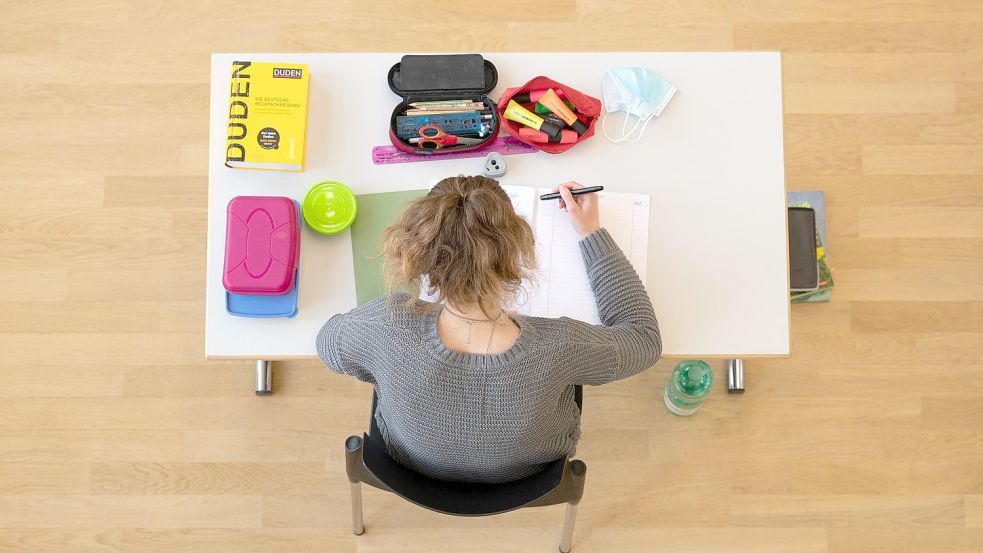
(375, 213)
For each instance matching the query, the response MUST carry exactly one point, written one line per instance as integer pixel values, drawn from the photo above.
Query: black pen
(574, 191)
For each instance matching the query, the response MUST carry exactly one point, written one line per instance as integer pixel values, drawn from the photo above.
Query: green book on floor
(375, 213)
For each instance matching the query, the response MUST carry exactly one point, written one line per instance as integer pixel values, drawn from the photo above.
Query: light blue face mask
(639, 93)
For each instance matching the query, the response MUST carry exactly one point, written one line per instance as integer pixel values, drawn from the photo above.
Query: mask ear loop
(624, 127)
(645, 122)
(604, 128)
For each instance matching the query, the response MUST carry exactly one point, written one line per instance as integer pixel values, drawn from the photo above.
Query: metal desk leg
(264, 377)
(735, 376)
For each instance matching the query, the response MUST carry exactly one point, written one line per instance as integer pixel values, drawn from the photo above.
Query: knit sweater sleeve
(339, 348)
(628, 342)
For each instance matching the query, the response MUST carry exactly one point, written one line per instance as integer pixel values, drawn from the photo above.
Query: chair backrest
(553, 484)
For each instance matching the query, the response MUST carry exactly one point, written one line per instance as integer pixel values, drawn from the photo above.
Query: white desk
(713, 163)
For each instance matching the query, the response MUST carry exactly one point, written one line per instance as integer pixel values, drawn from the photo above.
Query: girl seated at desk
(468, 390)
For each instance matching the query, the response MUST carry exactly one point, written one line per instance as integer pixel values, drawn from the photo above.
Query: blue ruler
(408, 126)
(505, 145)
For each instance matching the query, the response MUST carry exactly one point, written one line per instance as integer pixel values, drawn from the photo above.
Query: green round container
(329, 207)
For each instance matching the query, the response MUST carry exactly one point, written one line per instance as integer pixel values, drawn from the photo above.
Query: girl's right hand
(583, 209)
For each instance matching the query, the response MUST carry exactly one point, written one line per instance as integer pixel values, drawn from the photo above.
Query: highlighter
(519, 114)
(534, 95)
(556, 105)
(540, 108)
(554, 120)
(532, 135)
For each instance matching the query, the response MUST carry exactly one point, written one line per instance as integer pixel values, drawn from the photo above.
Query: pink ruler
(505, 145)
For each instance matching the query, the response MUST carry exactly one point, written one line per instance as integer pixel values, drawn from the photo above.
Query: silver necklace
(472, 322)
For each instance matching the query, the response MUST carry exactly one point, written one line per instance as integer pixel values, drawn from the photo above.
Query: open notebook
(562, 288)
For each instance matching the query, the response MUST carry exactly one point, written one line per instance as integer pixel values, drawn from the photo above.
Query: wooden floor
(115, 434)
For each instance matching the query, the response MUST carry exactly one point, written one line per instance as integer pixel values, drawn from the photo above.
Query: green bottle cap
(695, 377)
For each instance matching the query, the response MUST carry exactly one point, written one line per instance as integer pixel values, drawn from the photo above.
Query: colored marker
(574, 191)
(554, 120)
(539, 137)
(519, 114)
(534, 95)
(540, 108)
(552, 100)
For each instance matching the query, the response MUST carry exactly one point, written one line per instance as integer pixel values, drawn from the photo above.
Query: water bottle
(688, 387)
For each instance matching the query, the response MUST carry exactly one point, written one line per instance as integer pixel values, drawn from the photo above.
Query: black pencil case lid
(442, 76)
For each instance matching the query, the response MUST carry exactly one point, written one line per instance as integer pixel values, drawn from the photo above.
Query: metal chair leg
(357, 526)
(566, 538)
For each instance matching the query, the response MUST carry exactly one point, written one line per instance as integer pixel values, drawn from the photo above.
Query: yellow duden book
(267, 116)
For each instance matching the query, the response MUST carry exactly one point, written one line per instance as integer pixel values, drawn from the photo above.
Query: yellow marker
(519, 114)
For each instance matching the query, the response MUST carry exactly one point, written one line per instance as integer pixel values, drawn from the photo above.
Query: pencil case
(588, 110)
(262, 245)
(428, 78)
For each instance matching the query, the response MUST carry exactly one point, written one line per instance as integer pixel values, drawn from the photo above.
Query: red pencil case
(588, 111)
(262, 245)
(442, 77)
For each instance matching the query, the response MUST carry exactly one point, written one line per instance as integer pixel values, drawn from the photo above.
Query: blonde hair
(466, 239)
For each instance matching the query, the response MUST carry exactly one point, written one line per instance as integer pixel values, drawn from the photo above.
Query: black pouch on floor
(444, 77)
(802, 265)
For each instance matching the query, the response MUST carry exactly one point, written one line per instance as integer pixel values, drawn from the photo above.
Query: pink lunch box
(262, 245)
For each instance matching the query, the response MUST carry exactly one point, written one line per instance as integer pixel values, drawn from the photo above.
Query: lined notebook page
(523, 201)
(562, 288)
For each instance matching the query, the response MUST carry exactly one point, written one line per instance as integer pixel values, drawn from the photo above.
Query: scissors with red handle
(433, 137)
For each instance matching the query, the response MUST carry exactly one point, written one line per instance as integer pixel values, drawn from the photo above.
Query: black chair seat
(459, 498)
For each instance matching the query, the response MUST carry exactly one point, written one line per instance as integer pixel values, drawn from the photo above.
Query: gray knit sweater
(493, 418)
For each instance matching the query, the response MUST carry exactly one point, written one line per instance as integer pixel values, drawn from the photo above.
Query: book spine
(238, 115)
